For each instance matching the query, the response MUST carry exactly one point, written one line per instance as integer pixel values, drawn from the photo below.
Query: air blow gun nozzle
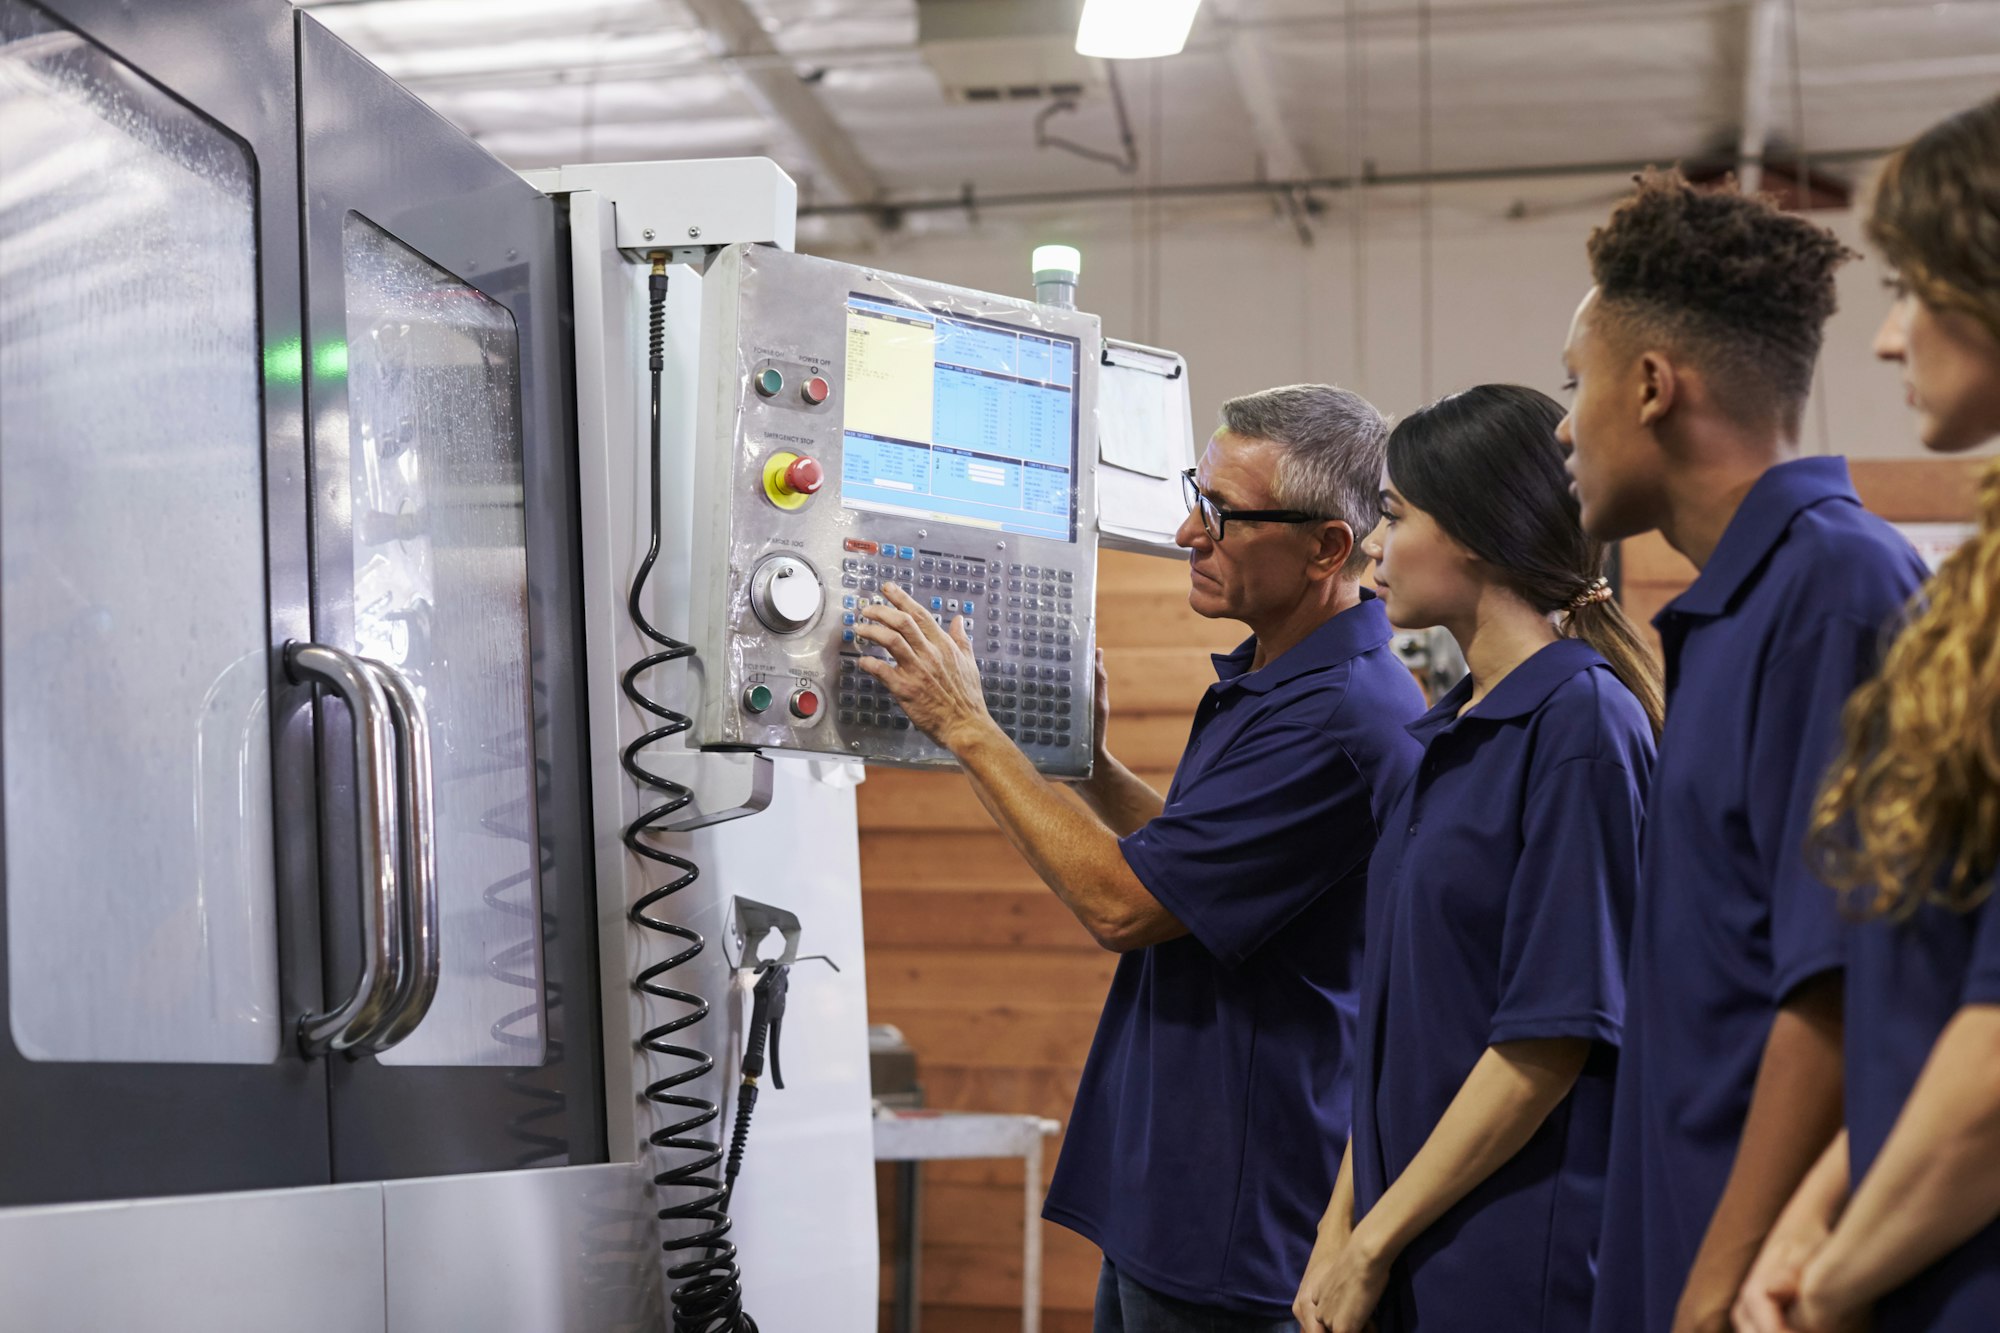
(767, 1015)
(767, 1024)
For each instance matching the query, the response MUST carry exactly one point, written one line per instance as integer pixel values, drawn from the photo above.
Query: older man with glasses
(1210, 1119)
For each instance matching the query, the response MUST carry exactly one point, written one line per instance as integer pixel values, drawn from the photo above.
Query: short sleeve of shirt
(1982, 978)
(1798, 736)
(1256, 838)
(1569, 905)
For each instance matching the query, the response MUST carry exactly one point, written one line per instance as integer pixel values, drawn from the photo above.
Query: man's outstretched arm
(935, 678)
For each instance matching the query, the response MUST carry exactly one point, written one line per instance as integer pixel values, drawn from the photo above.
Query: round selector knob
(786, 594)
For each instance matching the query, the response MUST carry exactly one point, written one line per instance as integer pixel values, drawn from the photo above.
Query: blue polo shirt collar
(1780, 495)
(1353, 632)
(1520, 693)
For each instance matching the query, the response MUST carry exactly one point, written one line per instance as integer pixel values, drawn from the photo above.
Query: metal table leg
(909, 1247)
(1031, 1241)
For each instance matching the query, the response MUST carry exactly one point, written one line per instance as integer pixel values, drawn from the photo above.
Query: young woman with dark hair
(1908, 825)
(1499, 898)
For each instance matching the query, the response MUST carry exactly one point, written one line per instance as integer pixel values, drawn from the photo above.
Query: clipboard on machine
(1145, 440)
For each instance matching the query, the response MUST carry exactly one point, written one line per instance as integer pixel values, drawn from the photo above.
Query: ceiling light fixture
(1134, 29)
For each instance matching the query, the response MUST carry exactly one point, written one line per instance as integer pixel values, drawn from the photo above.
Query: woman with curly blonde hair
(1900, 1221)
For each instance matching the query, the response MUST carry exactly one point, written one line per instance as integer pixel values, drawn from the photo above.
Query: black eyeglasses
(1214, 517)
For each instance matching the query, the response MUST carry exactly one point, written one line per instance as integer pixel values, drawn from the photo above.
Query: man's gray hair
(1332, 444)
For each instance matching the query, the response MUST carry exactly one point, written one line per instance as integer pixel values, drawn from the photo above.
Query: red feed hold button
(816, 390)
(805, 703)
(805, 476)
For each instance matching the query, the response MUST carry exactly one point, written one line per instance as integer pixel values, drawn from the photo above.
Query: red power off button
(805, 703)
(816, 390)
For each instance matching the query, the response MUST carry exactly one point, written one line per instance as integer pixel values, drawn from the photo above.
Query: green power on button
(757, 698)
(770, 381)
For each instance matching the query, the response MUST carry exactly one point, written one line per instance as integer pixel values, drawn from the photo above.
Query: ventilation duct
(1007, 50)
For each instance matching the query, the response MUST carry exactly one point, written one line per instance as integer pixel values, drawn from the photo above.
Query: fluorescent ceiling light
(1134, 29)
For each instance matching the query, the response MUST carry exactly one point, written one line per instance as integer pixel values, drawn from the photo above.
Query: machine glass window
(441, 594)
(134, 718)
(961, 420)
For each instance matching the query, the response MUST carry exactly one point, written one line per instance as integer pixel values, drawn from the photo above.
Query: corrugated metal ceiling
(1513, 84)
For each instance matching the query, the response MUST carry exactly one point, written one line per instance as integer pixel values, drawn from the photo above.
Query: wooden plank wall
(997, 987)
(992, 981)
(1919, 490)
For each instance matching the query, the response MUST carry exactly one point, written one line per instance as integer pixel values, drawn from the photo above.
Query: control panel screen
(959, 420)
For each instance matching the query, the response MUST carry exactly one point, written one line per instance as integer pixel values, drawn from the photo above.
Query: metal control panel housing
(856, 428)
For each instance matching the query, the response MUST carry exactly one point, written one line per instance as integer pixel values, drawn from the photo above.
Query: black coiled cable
(708, 1291)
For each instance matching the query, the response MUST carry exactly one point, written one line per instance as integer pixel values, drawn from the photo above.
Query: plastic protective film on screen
(870, 429)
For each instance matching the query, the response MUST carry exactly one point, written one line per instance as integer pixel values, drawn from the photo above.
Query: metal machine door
(445, 547)
(157, 801)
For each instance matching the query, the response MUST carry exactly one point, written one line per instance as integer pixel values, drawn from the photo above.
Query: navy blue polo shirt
(1500, 909)
(1213, 1109)
(1905, 981)
(1788, 616)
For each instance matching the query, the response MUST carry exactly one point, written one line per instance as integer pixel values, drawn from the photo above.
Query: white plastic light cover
(1134, 29)
(1057, 259)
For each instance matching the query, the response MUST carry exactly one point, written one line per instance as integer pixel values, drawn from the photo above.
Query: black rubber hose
(708, 1291)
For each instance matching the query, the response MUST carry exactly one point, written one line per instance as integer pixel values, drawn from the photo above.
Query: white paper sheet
(1145, 440)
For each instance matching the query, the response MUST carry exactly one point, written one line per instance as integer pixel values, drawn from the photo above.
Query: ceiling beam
(735, 31)
(1976, 66)
(1760, 63)
(1256, 84)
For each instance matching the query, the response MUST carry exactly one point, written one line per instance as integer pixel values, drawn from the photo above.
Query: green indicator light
(757, 698)
(330, 361)
(769, 382)
(285, 362)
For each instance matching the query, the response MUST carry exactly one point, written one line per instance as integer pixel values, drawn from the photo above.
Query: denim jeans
(1123, 1306)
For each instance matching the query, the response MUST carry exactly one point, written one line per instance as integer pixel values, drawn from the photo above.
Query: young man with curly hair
(1691, 360)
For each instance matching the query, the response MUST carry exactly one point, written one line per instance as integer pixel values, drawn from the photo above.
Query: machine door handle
(353, 1022)
(417, 982)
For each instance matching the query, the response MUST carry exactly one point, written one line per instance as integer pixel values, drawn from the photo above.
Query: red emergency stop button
(804, 477)
(816, 390)
(805, 703)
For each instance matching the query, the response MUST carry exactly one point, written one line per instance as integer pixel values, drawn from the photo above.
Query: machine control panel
(857, 428)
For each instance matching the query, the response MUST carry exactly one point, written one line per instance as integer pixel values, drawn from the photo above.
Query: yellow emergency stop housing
(775, 489)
